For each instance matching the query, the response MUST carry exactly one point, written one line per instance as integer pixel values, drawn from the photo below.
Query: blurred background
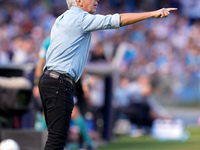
(140, 80)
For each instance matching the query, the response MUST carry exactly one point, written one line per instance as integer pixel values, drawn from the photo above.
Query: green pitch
(148, 143)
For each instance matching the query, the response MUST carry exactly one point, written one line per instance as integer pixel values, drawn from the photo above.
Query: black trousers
(57, 102)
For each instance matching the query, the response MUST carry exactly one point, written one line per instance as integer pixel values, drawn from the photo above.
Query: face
(88, 5)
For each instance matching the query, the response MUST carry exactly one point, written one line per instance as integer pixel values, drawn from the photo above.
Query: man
(76, 116)
(66, 58)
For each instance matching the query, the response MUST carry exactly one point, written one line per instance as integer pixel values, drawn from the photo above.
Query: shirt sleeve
(100, 22)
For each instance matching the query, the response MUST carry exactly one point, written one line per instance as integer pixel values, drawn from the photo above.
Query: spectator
(136, 102)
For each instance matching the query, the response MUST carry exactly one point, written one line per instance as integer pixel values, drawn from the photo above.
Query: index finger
(170, 9)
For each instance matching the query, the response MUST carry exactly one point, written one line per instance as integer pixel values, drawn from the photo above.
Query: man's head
(87, 5)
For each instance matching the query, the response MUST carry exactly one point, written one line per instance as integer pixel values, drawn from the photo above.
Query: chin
(92, 12)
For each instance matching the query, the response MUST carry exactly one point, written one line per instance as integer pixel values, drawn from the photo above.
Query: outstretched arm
(131, 18)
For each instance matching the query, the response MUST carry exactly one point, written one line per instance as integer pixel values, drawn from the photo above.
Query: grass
(148, 143)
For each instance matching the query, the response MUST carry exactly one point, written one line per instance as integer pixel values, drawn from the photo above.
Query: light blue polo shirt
(71, 37)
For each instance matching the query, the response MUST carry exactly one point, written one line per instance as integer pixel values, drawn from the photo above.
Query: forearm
(131, 18)
(39, 67)
(38, 70)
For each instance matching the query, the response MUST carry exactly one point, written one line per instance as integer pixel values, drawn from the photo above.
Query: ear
(79, 3)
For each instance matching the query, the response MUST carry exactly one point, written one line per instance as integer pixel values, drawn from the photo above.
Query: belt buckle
(54, 75)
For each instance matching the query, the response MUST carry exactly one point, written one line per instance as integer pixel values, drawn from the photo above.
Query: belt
(56, 75)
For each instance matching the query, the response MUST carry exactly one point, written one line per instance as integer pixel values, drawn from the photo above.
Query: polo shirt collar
(76, 8)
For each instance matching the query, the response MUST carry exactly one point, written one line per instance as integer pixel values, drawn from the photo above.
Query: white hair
(71, 3)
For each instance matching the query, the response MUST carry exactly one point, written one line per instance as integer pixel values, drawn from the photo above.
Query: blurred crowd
(157, 47)
(160, 50)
